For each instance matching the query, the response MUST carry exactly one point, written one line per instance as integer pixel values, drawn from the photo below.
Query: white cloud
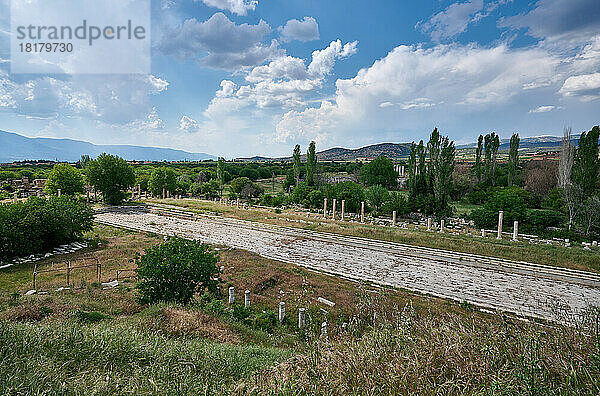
(220, 43)
(282, 83)
(305, 30)
(452, 21)
(187, 124)
(543, 109)
(239, 7)
(586, 86)
(453, 79)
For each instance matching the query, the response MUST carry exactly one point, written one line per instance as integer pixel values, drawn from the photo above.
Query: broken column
(515, 231)
(333, 213)
(59, 192)
(343, 208)
(281, 311)
(164, 193)
(442, 224)
(394, 218)
(238, 203)
(362, 212)
(324, 330)
(324, 208)
(301, 318)
(247, 298)
(429, 224)
(231, 295)
(500, 218)
(483, 233)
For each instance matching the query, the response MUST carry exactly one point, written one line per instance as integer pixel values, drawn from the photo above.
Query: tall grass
(68, 358)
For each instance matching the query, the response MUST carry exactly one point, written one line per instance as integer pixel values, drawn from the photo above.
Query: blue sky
(246, 77)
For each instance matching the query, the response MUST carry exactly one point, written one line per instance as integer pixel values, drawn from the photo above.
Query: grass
(382, 341)
(575, 257)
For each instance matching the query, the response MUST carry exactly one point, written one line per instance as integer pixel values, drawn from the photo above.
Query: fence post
(68, 273)
(281, 311)
(301, 317)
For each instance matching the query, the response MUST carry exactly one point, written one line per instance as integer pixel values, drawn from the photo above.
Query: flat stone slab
(546, 293)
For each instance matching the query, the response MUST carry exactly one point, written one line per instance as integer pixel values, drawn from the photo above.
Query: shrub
(539, 219)
(175, 271)
(396, 202)
(39, 224)
(379, 172)
(265, 320)
(90, 317)
(511, 200)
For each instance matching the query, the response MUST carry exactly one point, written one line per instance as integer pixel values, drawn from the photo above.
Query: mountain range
(15, 147)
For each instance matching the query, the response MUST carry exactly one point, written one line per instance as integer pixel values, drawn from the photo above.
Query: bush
(396, 202)
(175, 271)
(538, 220)
(265, 320)
(39, 224)
(511, 200)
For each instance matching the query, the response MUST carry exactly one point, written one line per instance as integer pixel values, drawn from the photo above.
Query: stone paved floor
(422, 270)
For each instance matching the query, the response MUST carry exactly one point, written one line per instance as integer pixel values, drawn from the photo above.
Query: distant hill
(15, 147)
(390, 150)
(535, 142)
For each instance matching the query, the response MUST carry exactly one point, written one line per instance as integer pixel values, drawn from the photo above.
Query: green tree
(478, 154)
(297, 164)
(110, 175)
(221, 174)
(511, 200)
(495, 145)
(586, 163)
(376, 196)
(66, 178)
(311, 164)
(160, 178)
(210, 189)
(441, 168)
(513, 158)
(175, 271)
(380, 172)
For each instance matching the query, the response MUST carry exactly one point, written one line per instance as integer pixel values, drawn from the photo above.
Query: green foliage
(311, 164)
(586, 162)
(430, 183)
(66, 178)
(175, 271)
(478, 154)
(376, 196)
(396, 202)
(511, 200)
(379, 172)
(296, 164)
(353, 193)
(38, 224)
(8, 175)
(513, 158)
(210, 189)
(273, 200)
(249, 173)
(244, 187)
(90, 316)
(162, 178)
(300, 193)
(221, 177)
(537, 220)
(111, 175)
(315, 198)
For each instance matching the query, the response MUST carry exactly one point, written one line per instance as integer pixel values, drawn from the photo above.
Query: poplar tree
(513, 158)
(221, 173)
(297, 164)
(478, 154)
(311, 164)
(585, 163)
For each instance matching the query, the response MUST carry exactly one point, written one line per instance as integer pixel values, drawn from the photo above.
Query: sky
(240, 78)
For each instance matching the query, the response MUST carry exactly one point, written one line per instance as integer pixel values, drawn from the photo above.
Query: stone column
(343, 208)
(402, 170)
(516, 231)
(247, 298)
(231, 295)
(324, 330)
(362, 212)
(333, 207)
(139, 191)
(483, 233)
(394, 218)
(324, 208)
(429, 224)
(238, 203)
(301, 318)
(164, 193)
(442, 224)
(281, 311)
(500, 218)
(59, 192)
(15, 196)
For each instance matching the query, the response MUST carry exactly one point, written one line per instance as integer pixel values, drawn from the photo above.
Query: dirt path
(520, 288)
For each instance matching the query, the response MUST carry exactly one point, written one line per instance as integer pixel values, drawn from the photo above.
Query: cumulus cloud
(187, 124)
(543, 109)
(282, 83)
(559, 20)
(413, 79)
(586, 86)
(239, 7)
(220, 43)
(305, 30)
